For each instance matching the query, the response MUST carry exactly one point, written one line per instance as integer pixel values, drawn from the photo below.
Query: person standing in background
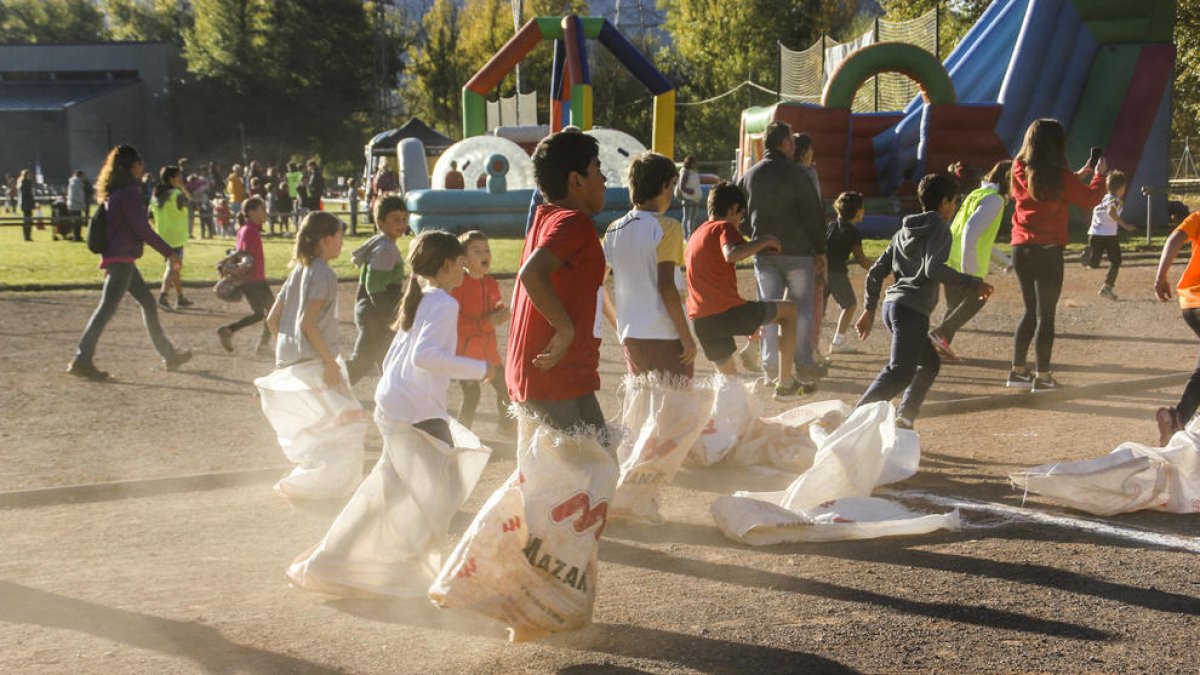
(26, 202)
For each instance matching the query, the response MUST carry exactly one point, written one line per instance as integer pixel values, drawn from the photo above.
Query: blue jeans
(914, 363)
(691, 218)
(123, 278)
(774, 273)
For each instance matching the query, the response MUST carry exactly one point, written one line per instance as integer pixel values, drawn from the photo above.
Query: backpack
(97, 234)
(233, 269)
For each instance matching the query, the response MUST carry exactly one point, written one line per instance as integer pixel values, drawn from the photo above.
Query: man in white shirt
(643, 249)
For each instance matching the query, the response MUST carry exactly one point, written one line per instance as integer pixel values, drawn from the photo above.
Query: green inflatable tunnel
(889, 57)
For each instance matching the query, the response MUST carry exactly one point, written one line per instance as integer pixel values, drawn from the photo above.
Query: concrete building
(63, 106)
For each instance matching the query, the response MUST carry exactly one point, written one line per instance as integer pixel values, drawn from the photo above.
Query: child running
(380, 285)
(843, 240)
(1103, 237)
(643, 249)
(713, 303)
(1177, 417)
(973, 237)
(480, 310)
(304, 316)
(257, 290)
(916, 259)
(169, 210)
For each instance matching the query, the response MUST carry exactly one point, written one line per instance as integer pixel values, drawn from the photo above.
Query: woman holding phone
(1043, 188)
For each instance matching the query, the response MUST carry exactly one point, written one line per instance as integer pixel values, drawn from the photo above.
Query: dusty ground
(191, 581)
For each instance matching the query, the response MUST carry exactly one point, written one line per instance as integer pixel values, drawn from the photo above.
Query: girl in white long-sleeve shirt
(421, 361)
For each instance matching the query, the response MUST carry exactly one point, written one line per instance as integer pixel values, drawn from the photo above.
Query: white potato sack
(734, 410)
(320, 429)
(831, 500)
(661, 419)
(529, 557)
(387, 539)
(1130, 478)
(789, 440)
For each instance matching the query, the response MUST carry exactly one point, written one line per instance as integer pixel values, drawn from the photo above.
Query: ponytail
(409, 305)
(429, 252)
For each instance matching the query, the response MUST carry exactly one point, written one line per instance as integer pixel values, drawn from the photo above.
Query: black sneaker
(164, 304)
(184, 302)
(1044, 383)
(793, 391)
(1106, 291)
(87, 371)
(226, 337)
(181, 357)
(1019, 379)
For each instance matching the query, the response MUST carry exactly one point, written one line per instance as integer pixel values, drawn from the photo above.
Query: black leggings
(1103, 245)
(471, 393)
(258, 295)
(1191, 393)
(1040, 271)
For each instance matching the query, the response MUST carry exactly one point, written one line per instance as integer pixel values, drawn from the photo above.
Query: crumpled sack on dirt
(733, 411)
(386, 540)
(1130, 478)
(529, 557)
(831, 500)
(320, 429)
(661, 419)
(790, 439)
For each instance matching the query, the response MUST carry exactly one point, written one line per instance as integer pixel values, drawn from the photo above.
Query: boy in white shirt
(1102, 235)
(643, 249)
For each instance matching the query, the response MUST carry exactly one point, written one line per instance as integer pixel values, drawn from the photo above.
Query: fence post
(1149, 192)
(876, 78)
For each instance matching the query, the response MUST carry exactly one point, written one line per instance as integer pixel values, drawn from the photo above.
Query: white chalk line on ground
(1011, 513)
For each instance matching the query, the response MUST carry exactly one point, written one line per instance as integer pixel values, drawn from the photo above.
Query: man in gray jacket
(783, 203)
(916, 259)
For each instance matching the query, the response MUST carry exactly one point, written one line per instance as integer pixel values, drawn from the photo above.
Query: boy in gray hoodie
(380, 286)
(916, 259)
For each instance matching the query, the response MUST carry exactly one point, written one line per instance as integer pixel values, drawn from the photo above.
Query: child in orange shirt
(480, 310)
(1176, 418)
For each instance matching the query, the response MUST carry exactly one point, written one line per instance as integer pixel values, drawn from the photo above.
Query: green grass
(47, 263)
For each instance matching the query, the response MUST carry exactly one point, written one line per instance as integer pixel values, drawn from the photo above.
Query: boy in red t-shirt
(717, 311)
(480, 310)
(554, 342)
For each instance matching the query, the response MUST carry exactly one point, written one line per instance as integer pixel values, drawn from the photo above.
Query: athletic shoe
(226, 337)
(842, 346)
(1044, 382)
(1106, 291)
(265, 350)
(183, 302)
(793, 391)
(87, 371)
(1019, 379)
(164, 304)
(1168, 424)
(904, 423)
(180, 357)
(942, 345)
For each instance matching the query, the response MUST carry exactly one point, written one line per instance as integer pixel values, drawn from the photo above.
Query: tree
(718, 46)
(148, 20)
(1187, 69)
(437, 69)
(51, 21)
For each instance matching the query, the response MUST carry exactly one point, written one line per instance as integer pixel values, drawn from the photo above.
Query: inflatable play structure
(503, 164)
(1103, 68)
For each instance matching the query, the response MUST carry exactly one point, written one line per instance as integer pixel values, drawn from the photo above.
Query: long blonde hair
(430, 250)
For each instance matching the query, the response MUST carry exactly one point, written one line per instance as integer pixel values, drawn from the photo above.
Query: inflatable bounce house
(1104, 68)
(501, 160)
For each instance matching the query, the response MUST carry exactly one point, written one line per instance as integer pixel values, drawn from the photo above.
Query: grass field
(46, 263)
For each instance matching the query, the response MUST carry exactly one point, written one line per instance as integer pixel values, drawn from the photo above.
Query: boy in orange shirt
(480, 310)
(1175, 419)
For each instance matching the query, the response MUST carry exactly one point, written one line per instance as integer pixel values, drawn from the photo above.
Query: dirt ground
(186, 580)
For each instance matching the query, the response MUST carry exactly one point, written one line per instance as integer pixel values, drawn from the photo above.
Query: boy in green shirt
(380, 287)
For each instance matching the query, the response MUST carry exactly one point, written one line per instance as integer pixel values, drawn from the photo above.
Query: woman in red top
(1043, 188)
(480, 310)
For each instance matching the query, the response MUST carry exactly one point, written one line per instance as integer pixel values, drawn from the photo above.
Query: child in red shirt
(717, 311)
(480, 310)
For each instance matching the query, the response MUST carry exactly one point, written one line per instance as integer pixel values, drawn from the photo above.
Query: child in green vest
(380, 286)
(169, 210)
(974, 234)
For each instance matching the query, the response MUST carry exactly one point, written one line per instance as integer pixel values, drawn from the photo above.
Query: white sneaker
(842, 346)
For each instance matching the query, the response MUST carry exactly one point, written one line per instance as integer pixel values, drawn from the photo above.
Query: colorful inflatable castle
(504, 165)
(1103, 68)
